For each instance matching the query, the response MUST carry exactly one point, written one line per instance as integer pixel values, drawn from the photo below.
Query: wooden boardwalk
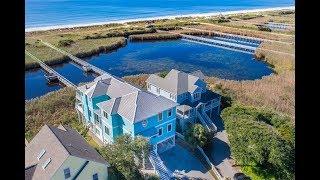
(76, 60)
(218, 43)
(51, 71)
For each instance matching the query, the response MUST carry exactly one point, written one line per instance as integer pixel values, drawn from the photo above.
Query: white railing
(50, 70)
(208, 119)
(159, 166)
(76, 59)
(203, 122)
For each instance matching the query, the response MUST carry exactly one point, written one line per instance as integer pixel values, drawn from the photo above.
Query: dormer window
(67, 173)
(46, 163)
(95, 176)
(42, 152)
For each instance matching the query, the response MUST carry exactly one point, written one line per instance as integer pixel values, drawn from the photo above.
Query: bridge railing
(50, 70)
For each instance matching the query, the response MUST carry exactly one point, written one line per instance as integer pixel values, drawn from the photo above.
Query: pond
(156, 56)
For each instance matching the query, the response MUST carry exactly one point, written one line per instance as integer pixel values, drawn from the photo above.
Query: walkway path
(76, 59)
(182, 162)
(219, 153)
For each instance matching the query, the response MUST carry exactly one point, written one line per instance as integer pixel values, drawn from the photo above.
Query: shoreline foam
(46, 28)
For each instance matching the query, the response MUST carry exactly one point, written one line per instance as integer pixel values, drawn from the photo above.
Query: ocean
(47, 13)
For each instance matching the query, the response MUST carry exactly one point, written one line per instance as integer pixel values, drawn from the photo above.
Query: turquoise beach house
(111, 107)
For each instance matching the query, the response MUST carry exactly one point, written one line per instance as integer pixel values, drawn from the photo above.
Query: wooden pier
(86, 66)
(52, 72)
(214, 42)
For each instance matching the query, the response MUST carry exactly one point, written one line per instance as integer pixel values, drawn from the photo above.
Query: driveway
(219, 152)
(181, 161)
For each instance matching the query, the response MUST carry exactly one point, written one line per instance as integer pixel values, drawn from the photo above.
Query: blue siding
(154, 125)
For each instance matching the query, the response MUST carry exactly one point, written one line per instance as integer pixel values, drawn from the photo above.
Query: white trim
(164, 123)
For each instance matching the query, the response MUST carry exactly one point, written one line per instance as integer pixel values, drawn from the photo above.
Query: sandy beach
(157, 18)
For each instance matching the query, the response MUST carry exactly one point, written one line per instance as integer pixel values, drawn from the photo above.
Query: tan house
(62, 153)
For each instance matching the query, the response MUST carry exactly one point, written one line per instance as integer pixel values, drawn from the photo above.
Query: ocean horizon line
(67, 26)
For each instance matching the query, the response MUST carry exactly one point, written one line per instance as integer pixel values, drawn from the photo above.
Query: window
(106, 130)
(89, 112)
(144, 123)
(160, 116)
(96, 117)
(169, 112)
(148, 86)
(41, 154)
(160, 132)
(67, 173)
(95, 176)
(169, 128)
(105, 115)
(158, 90)
(97, 131)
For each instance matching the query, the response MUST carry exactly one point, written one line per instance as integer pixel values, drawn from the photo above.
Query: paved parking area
(181, 161)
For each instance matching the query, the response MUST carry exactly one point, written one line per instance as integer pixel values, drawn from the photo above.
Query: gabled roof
(137, 106)
(107, 85)
(177, 82)
(58, 144)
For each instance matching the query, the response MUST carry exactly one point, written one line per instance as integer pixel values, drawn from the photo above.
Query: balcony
(78, 96)
(78, 106)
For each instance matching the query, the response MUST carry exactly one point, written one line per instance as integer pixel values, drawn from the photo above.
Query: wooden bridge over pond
(86, 66)
(49, 70)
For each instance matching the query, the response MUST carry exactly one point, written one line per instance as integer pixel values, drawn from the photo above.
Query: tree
(122, 152)
(262, 139)
(196, 135)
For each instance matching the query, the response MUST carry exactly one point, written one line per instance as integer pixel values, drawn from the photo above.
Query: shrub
(121, 155)
(262, 139)
(65, 42)
(196, 135)
(264, 28)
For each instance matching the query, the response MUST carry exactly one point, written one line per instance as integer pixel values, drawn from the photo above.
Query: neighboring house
(62, 153)
(189, 90)
(112, 107)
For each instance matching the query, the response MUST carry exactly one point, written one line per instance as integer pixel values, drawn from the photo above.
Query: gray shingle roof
(106, 84)
(177, 82)
(59, 144)
(137, 106)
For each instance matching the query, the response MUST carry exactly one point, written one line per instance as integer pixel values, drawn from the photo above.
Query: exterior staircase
(160, 168)
(206, 121)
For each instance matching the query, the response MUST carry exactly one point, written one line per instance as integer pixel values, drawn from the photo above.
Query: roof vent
(41, 154)
(46, 163)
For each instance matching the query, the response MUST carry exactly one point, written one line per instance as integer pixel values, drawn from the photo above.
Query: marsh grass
(79, 48)
(154, 36)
